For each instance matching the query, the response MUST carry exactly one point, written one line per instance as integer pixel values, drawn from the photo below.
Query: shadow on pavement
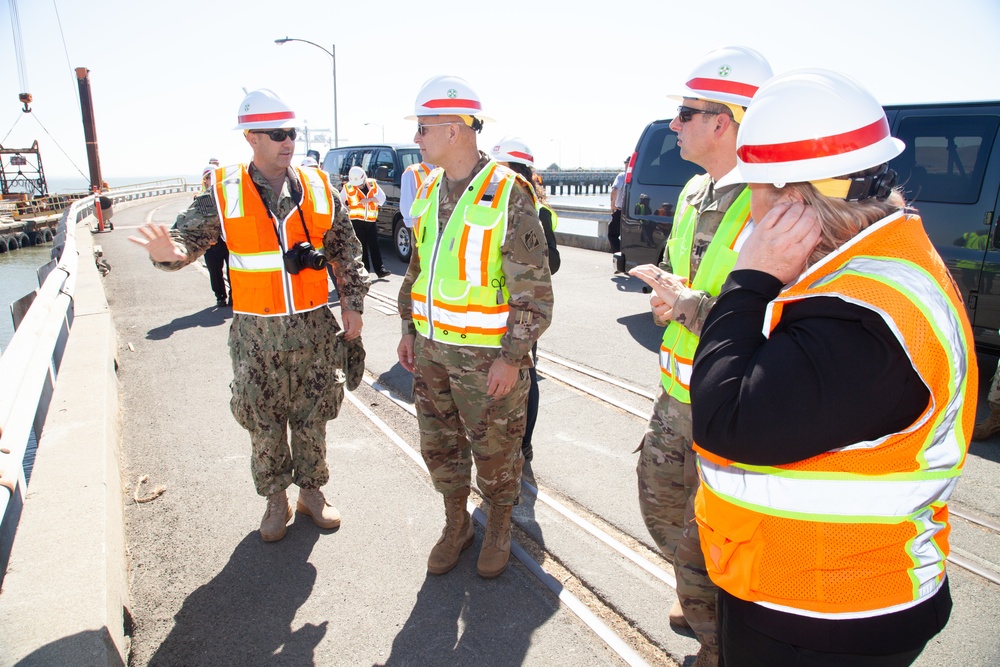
(461, 619)
(643, 330)
(91, 647)
(209, 317)
(243, 616)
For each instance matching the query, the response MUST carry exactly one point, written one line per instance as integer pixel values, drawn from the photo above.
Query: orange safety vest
(361, 206)
(861, 530)
(260, 284)
(420, 173)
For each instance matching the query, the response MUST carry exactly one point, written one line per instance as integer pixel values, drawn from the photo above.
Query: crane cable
(22, 69)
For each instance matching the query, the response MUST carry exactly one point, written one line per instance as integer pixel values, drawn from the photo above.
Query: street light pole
(333, 57)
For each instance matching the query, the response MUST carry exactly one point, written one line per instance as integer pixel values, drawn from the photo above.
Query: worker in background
(467, 336)
(413, 177)
(617, 201)
(362, 198)
(282, 225)
(833, 392)
(309, 161)
(217, 255)
(712, 217)
(213, 161)
(513, 153)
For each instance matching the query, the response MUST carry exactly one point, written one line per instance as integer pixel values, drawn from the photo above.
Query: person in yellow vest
(514, 153)
(711, 219)
(475, 298)
(362, 198)
(282, 225)
(833, 395)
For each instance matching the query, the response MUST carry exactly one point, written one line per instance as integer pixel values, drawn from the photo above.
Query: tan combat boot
(313, 503)
(276, 517)
(676, 616)
(988, 427)
(496, 545)
(708, 656)
(455, 538)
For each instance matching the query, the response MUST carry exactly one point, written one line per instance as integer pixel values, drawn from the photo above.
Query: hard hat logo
(724, 71)
(452, 93)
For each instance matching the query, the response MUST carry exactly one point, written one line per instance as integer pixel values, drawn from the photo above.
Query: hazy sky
(577, 80)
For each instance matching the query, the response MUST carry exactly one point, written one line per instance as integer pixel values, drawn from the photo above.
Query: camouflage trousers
(459, 422)
(276, 391)
(668, 481)
(994, 395)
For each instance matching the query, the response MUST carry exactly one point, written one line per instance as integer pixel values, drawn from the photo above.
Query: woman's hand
(782, 242)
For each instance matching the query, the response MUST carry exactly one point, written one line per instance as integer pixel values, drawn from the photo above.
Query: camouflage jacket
(199, 227)
(525, 268)
(711, 203)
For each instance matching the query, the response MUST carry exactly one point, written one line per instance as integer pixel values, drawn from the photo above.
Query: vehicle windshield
(408, 156)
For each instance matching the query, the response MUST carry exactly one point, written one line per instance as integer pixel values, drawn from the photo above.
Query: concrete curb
(65, 595)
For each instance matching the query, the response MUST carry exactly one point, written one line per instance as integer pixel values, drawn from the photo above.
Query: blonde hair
(842, 220)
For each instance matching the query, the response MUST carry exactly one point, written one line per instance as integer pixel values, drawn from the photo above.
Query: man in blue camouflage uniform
(288, 366)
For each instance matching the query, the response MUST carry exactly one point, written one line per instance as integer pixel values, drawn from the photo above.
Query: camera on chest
(303, 255)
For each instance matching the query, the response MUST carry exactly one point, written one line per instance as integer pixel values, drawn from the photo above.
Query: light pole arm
(333, 56)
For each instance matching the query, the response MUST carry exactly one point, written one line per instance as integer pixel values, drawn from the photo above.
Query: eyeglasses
(277, 135)
(421, 128)
(684, 114)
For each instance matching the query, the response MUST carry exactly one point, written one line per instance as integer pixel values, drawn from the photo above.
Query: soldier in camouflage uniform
(470, 357)
(288, 358)
(711, 220)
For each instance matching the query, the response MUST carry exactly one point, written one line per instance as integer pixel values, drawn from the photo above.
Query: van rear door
(950, 171)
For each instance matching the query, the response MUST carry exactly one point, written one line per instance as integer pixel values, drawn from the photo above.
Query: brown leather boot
(313, 503)
(676, 616)
(495, 553)
(274, 525)
(455, 538)
(988, 427)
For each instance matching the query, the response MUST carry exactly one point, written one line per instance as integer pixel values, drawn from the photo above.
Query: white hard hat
(730, 75)
(208, 170)
(263, 110)
(309, 162)
(447, 96)
(812, 124)
(356, 176)
(513, 149)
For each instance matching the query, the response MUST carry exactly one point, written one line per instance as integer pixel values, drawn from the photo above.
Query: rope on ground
(157, 492)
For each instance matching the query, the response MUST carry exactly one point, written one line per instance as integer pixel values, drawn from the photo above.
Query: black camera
(303, 256)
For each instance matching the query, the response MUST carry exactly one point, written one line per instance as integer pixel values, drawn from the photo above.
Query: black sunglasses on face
(277, 135)
(684, 114)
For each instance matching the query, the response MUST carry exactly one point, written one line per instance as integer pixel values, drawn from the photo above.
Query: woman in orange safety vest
(833, 396)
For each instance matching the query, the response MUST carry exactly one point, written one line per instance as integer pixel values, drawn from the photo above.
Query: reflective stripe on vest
(679, 343)
(460, 296)
(361, 206)
(861, 530)
(260, 284)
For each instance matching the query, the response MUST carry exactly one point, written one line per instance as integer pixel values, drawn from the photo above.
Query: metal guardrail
(30, 364)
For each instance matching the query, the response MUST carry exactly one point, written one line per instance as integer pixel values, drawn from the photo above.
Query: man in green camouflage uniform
(706, 126)
(471, 399)
(288, 369)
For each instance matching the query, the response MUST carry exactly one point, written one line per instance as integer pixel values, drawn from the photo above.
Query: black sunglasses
(687, 113)
(277, 135)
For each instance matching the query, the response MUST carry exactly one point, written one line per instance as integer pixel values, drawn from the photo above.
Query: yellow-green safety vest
(460, 296)
(679, 343)
(552, 214)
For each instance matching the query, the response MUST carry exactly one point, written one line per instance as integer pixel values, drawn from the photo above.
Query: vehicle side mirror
(382, 173)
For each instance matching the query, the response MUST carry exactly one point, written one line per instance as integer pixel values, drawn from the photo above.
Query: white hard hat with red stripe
(447, 96)
(263, 110)
(730, 75)
(513, 149)
(810, 125)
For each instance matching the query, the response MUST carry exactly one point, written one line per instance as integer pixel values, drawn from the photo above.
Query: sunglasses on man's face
(277, 135)
(684, 114)
(422, 128)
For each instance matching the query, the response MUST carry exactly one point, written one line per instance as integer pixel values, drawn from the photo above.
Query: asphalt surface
(207, 591)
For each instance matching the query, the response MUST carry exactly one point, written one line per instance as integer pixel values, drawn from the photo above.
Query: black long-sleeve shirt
(831, 374)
